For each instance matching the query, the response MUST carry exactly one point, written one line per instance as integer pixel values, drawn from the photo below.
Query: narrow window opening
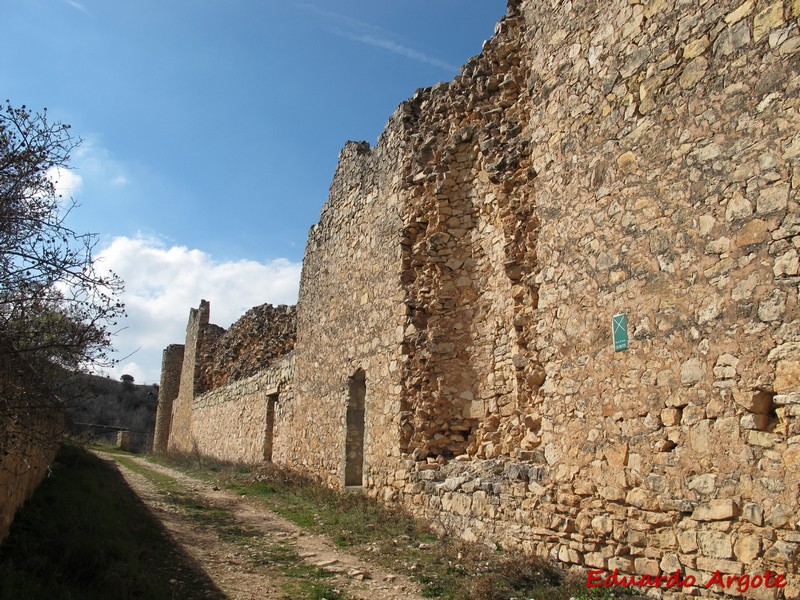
(270, 427)
(765, 416)
(354, 443)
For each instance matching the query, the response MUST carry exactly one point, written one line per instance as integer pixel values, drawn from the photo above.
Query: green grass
(106, 448)
(445, 568)
(85, 535)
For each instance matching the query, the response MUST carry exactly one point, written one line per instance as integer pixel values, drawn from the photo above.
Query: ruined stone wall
(594, 160)
(454, 327)
(171, 368)
(469, 257)
(662, 142)
(350, 318)
(263, 334)
(208, 406)
(181, 439)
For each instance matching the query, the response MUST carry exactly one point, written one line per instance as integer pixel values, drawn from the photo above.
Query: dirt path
(234, 565)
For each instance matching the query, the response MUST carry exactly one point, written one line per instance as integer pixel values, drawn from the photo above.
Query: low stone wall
(238, 422)
(26, 451)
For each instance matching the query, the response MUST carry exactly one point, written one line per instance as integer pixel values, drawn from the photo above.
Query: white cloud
(398, 49)
(98, 164)
(358, 31)
(78, 6)
(163, 282)
(66, 182)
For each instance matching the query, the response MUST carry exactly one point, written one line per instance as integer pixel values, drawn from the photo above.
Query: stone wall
(596, 159)
(171, 368)
(181, 439)
(28, 445)
(245, 420)
(221, 384)
(634, 159)
(350, 318)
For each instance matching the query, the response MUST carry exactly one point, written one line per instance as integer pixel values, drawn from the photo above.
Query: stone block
(769, 18)
(742, 11)
(738, 208)
(772, 199)
(780, 516)
(704, 484)
(696, 47)
(791, 459)
(715, 544)
(692, 371)
(716, 510)
(753, 513)
(595, 559)
(646, 566)
(603, 524)
(747, 548)
(700, 438)
(663, 540)
(457, 503)
(782, 553)
(627, 162)
(761, 438)
(787, 264)
(787, 376)
(693, 73)
(643, 499)
(772, 309)
(692, 414)
(670, 563)
(732, 39)
(616, 455)
(480, 501)
(569, 555)
(753, 232)
(623, 563)
(670, 417)
(711, 565)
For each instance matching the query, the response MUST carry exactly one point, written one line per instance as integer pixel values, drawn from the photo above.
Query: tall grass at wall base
(85, 535)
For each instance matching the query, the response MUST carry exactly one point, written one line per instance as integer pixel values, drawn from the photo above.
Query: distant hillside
(101, 401)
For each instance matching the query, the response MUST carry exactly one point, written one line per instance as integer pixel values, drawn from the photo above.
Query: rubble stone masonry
(171, 368)
(454, 347)
(28, 446)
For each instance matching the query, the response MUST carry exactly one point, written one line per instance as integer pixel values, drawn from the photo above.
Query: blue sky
(211, 130)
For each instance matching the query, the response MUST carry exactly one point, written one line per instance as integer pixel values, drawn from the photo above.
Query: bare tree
(55, 306)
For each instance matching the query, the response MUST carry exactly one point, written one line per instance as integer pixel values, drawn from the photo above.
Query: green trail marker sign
(619, 331)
